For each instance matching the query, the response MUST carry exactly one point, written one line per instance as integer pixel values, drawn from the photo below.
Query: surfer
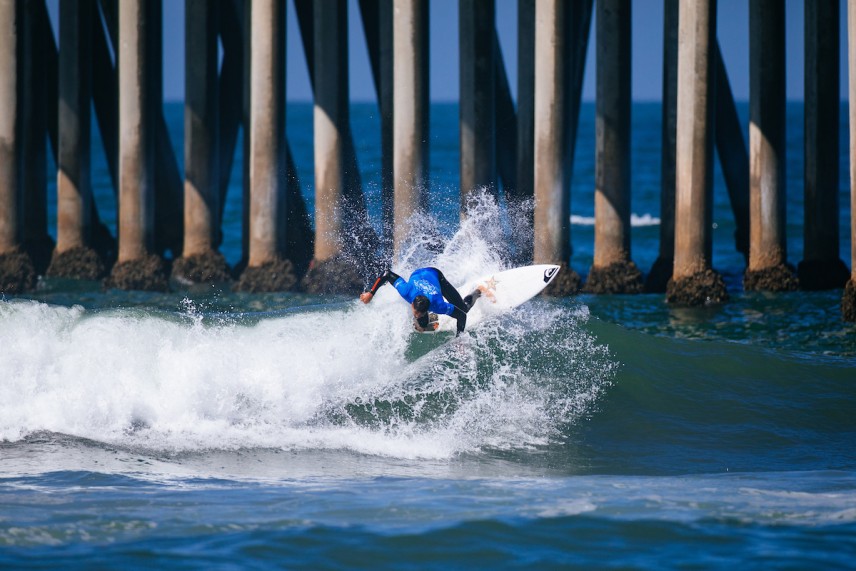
(428, 290)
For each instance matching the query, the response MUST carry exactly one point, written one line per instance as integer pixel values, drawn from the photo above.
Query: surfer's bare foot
(487, 293)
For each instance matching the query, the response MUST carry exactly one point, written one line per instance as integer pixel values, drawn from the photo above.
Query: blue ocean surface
(209, 429)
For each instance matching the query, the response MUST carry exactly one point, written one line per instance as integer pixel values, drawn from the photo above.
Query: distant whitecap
(635, 220)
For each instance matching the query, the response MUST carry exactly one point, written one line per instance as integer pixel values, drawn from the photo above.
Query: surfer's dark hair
(421, 303)
(423, 321)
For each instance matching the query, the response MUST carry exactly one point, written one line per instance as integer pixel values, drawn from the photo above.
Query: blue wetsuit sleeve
(443, 307)
(405, 289)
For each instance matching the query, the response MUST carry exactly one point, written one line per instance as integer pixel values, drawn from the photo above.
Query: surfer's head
(420, 310)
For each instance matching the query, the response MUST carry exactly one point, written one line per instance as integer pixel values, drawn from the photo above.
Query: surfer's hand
(366, 296)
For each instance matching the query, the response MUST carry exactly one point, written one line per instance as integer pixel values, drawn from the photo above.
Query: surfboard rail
(502, 291)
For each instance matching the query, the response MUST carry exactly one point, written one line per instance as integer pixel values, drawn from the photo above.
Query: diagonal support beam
(733, 155)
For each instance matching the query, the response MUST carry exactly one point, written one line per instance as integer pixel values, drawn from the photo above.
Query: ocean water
(210, 429)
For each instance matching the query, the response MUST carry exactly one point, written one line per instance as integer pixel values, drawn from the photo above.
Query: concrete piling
(331, 117)
(73, 161)
(137, 267)
(821, 267)
(613, 271)
(230, 87)
(768, 247)
(554, 57)
(525, 147)
(46, 94)
(730, 146)
(377, 18)
(200, 262)
(848, 300)
(693, 281)
(105, 102)
(300, 239)
(34, 230)
(410, 115)
(246, 82)
(10, 20)
(136, 133)
(267, 268)
(661, 271)
(17, 273)
(386, 101)
(338, 199)
(168, 201)
(477, 99)
(525, 98)
(74, 256)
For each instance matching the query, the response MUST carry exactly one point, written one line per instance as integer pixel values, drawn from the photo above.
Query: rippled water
(207, 428)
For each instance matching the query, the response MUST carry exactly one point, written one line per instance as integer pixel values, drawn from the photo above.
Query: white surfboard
(503, 291)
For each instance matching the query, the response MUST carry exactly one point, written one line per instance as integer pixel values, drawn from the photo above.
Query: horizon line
(592, 100)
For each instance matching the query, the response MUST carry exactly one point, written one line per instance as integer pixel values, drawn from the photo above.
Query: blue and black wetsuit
(430, 282)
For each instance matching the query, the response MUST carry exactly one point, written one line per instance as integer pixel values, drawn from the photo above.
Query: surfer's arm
(387, 277)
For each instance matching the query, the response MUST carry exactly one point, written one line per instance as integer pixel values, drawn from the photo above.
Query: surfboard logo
(549, 273)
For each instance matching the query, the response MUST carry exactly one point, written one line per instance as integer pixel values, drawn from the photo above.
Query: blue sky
(733, 33)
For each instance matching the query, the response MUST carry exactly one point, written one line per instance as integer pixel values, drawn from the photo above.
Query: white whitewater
(304, 379)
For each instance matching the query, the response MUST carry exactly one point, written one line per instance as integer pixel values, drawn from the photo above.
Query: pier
(107, 56)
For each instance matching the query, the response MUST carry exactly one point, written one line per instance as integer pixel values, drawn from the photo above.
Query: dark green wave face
(691, 406)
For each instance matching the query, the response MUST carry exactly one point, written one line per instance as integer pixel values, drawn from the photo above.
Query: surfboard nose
(549, 273)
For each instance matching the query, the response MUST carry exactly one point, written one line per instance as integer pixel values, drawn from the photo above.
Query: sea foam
(347, 376)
